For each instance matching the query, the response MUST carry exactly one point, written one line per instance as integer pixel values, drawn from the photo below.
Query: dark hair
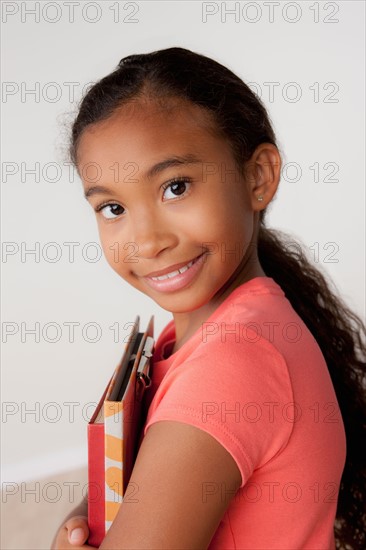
(239, 115)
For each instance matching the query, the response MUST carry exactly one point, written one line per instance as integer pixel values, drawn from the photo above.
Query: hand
(73, 534)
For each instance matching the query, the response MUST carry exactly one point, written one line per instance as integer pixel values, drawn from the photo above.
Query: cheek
(229, 228)
(222, 221)
(121, 254)
(207, 210)
(236, 217)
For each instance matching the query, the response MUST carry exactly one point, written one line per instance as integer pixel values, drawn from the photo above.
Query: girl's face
(167, 193)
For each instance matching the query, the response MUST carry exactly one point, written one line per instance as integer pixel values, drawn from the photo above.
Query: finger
(78, 530)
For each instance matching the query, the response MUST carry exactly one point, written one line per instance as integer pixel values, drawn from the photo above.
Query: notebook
(114, 431)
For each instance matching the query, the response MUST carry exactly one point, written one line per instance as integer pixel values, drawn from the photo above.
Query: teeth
(173, 273)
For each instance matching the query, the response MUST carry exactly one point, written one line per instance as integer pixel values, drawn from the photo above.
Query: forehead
(145, 128)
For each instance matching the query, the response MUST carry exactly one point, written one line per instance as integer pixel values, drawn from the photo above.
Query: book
(114, 431)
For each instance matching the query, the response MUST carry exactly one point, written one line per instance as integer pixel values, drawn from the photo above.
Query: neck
(187, 323)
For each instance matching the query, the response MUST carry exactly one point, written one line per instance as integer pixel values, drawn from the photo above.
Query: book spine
(96, 487)
(113, 460)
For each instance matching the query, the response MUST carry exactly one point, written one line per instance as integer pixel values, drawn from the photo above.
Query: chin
(179, 304)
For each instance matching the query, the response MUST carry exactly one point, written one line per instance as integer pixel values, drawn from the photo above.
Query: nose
(152, 235)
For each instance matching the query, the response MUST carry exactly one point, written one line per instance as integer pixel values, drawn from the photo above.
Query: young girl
(258, 379)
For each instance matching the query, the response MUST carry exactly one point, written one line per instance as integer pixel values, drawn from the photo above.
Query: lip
(179, 281)
(171, 268)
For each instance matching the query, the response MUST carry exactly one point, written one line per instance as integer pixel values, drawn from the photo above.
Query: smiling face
(193, 207)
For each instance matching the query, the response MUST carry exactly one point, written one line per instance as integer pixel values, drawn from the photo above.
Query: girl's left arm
(182, 482)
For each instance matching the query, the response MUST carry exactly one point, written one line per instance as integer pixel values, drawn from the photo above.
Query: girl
(258, 379)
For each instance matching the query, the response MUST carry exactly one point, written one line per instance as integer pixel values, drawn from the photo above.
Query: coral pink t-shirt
(253, 377)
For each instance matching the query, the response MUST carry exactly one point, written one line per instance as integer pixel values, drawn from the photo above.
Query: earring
(260, 197)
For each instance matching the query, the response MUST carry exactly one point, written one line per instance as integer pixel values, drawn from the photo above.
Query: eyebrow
(176, 160)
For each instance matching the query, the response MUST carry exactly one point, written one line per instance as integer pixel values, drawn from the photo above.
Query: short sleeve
(233, 392)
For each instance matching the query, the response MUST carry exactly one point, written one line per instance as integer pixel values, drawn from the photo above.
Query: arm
(165, 505)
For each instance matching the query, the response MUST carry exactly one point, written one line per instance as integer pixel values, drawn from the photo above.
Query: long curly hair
(240, 116)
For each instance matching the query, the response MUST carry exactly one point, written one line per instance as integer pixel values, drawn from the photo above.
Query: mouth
(176, 277)
(171, 271)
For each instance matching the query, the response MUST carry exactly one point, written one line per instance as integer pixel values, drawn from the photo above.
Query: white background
(44, 376)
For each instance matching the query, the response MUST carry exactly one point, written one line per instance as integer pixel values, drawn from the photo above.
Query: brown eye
(110, 211)
(177, 187)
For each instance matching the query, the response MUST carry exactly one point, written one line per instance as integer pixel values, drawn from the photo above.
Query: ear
(263, 172)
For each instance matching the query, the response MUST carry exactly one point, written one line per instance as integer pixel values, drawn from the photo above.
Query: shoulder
(227, 391)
